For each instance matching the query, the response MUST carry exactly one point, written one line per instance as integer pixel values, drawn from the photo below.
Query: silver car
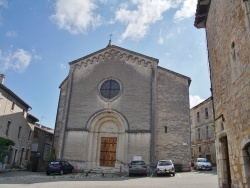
(202, 164)
(137, 167)
(165, 167)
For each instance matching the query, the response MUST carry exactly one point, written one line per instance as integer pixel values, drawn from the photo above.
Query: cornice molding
(112, 54)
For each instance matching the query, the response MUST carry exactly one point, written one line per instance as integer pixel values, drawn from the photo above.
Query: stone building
(41, 146)
(16, 125)
(117, 105)
(227, 26)
(202, 131)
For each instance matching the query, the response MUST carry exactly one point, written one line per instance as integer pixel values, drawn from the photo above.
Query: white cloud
(62, 66)
(75, 16)
(138, 20)
(3, 3)
(18, 60)
(194, 100)
(160, 40)
(186, 11)
(11, 34)
(108, 1)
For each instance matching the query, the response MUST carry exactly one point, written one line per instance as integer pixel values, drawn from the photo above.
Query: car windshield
(137, 163)
(164, 163)
(202, 160)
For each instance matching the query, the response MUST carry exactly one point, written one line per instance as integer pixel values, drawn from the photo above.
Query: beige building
(202, 131)
(16, 125)
(117, 105)
(227, 26)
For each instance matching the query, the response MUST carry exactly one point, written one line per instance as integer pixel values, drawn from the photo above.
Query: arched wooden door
(108, 151)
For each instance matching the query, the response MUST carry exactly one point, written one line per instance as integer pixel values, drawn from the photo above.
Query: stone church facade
(227, 25)
(117, 105)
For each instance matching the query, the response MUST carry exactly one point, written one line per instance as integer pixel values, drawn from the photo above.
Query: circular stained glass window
(110, 89)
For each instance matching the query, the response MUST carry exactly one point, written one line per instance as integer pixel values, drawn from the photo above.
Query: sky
(39, 38)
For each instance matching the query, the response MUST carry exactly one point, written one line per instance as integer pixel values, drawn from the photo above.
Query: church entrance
(108, 151)
(107, 140)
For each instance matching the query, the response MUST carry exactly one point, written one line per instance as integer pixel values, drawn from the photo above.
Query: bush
(5, 144)
(29, 165)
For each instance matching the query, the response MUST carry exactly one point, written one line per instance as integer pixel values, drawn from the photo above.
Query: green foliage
(5, 142)
(29, 165)
(4, 148)
(51, 155)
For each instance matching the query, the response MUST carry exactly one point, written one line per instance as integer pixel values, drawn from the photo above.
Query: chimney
(2, 76)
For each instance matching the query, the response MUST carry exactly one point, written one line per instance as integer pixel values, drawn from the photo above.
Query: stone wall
(80, 101)
(84, 116)
(173, 127)
(229, 57)
(60, 119)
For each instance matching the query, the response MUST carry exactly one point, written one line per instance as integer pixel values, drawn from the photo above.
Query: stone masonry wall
(173, 115)
(229, 58)
(60, 125)
(82, 100)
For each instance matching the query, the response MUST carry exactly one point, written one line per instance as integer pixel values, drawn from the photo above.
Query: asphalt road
(195, 179)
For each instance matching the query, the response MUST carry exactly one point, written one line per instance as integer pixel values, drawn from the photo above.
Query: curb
(12, 170)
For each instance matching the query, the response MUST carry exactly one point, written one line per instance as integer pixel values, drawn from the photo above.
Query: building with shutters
(202, 131)
(16, 124)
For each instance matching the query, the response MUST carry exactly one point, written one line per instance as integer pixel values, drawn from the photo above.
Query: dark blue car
(59, 167)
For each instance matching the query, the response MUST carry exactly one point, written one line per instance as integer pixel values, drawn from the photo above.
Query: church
(117, 105)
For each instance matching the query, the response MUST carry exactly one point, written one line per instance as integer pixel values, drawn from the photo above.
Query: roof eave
(201, 13)
(14, 96)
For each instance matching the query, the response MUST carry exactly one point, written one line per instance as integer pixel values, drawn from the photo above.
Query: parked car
(137, 167)
(59, 167)
(165, 167)
(202, 164)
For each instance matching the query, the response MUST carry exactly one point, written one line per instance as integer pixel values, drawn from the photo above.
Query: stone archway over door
(108, 151)
(245, 157)
(107, 141)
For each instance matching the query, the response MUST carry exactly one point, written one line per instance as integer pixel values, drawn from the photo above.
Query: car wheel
(61, 172)
(146, 174)
(47, 173)
(157, 175)
(129, 175)
(173, 174)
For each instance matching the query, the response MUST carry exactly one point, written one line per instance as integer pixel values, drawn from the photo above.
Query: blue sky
(38, 39)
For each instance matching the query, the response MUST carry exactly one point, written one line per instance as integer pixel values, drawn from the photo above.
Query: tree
(5, 144)
(51, 156)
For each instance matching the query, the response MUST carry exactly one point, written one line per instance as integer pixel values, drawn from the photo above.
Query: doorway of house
(225, 160)
(108, 151)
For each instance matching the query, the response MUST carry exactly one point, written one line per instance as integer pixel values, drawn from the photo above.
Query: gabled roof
(116, 47)
(33, 117)
(129, 51)
(201, 13)
(203, 102)
(7, 90)
(177, 74)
